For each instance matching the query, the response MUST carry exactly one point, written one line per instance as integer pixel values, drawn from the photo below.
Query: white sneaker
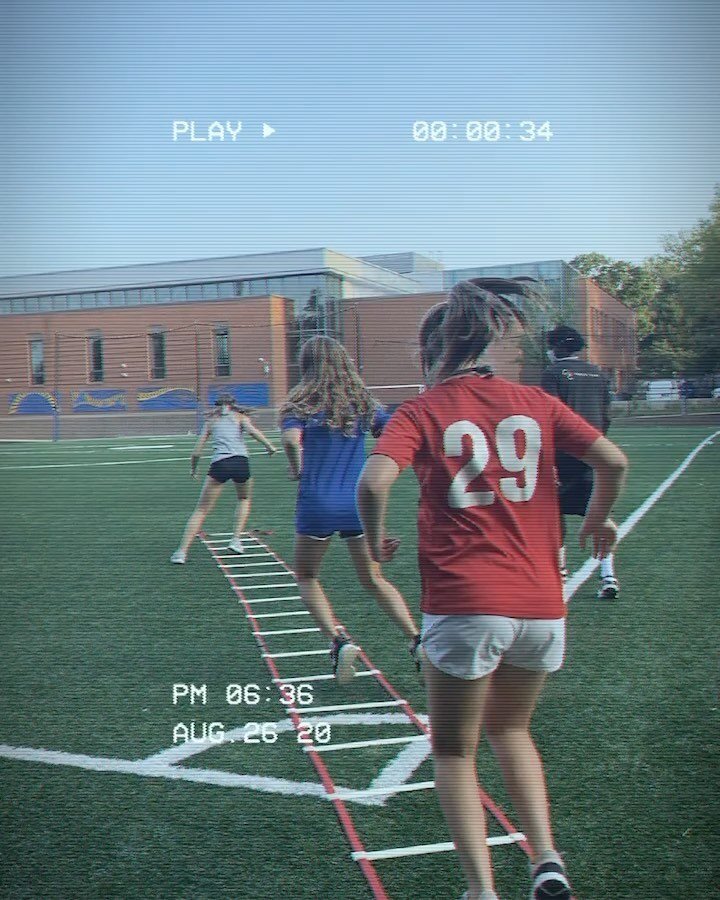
(343, 654)
(236, 545)
(609, 588)
(178, 557)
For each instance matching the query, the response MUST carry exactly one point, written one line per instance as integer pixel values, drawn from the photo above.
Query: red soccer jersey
(483, 450)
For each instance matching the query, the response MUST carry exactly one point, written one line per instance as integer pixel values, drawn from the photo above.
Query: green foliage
(675, 295)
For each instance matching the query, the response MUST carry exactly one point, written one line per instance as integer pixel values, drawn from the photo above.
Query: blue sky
(91, 176)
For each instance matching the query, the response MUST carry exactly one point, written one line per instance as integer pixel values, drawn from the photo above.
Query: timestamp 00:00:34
(474, 131)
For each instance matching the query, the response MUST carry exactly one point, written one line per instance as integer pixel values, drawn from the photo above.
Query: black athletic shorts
(576, 484)
(236, 468)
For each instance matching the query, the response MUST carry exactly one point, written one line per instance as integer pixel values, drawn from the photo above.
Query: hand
(603, 534)
(293, 476)
(387, 549)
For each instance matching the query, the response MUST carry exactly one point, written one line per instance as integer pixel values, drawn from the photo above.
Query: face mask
(551, 356)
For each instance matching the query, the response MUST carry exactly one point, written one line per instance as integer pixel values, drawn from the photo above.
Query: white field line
(578, 579)
(144, 447)
(115, 462)
(423, 849)
(400, 769)
(165, 763)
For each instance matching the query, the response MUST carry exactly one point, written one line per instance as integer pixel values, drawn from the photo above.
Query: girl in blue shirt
(324, 422)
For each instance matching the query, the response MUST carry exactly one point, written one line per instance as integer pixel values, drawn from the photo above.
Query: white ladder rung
(239, 555)
(300, 612)
(345, 794)
(288, 631)
(274, 599)
(422, 849)
(246, 565)
(260, 575)
(311, 710)
(373, 742)
(252, 587)
(323, 677)
(297, 653)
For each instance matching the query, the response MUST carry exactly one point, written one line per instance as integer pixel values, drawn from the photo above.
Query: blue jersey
(331, 465)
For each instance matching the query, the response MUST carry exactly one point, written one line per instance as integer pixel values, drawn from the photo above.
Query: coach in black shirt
(586, 390)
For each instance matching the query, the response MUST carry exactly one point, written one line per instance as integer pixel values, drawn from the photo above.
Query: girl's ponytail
(477, 312)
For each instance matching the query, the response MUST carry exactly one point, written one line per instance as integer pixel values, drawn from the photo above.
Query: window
(60, 301)
(221, 335)
(178, 293)
(31, 304)
(148, 295)
(163, 295)
(157, 354)
(132, 297)
(37, 361)
(18, 305)
(117, 298)
(194, 291)
(210, 291)
(46, 304)
(95, 358)
(87, 301)
(595, 323)
(225, 289)
(5, 307)
(103, 298)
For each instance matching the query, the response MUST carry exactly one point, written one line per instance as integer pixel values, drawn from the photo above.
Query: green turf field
(97, 627)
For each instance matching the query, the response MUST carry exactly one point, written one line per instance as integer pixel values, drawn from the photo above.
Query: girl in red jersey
(483, 450)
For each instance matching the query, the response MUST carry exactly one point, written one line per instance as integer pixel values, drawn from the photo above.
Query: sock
(562, 557)
(546, 857)
(607, 569)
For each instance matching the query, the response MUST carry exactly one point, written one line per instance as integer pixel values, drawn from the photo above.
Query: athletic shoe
(236, 545)
(550, 883)
(609, 588)
(178, 557)
(343, 654)
(418, 655)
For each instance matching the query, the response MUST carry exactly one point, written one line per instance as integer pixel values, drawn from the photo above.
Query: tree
(636, 286)
(696, 254)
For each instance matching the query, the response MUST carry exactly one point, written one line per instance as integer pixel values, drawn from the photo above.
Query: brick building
(144, 349)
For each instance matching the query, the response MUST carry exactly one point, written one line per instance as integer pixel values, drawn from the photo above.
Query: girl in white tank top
(227, 426)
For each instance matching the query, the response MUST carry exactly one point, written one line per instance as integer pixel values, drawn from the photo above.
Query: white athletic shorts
(474, 646)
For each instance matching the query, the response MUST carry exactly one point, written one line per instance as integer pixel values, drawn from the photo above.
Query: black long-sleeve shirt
(581, 386)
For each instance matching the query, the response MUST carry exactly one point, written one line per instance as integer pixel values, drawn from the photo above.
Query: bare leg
(510, 705)
(208, 498)
(309, 555)
(456, 710)
(244, 495)
(386, 594)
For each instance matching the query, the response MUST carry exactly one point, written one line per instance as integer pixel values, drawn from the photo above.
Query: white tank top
(227, 435)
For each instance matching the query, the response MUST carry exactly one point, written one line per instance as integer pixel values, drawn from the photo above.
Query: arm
(378, 476)
(258, 435)
(610, 467)
(292, 445)
(197, 452)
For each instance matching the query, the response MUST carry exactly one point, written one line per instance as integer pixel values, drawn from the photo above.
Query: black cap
(565, 339)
